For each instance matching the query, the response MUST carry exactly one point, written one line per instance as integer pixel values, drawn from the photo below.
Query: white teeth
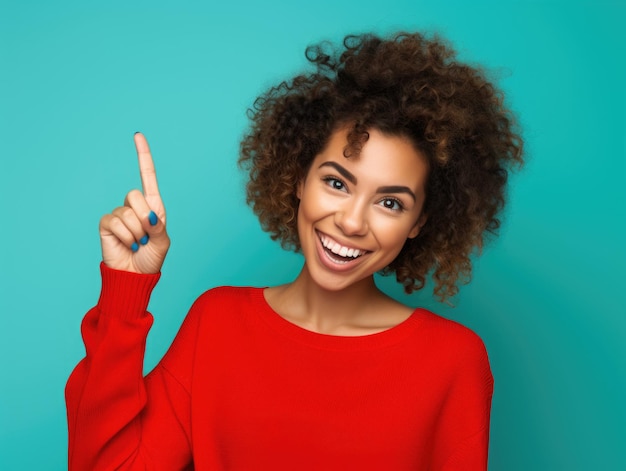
(339, 249)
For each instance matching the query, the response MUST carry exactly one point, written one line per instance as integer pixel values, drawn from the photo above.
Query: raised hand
(133, 236)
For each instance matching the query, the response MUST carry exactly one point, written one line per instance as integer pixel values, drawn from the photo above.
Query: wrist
(125, 294)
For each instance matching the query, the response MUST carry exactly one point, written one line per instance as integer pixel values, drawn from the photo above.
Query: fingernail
(144, 240)
(134, 247)
(152, 217)
(137, 132)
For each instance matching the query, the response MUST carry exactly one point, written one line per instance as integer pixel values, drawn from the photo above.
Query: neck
(315, 308)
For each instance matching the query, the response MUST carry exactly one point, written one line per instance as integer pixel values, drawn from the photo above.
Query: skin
(372, 203)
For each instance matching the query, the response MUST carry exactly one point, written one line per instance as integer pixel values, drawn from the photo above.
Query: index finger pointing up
(146, 166)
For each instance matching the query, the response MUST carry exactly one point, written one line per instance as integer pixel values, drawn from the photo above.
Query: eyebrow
(382, 189)
(344, 173)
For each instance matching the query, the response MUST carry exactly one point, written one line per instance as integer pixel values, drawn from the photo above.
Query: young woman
(391, 157)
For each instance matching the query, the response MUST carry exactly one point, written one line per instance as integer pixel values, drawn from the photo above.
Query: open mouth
(337, 252)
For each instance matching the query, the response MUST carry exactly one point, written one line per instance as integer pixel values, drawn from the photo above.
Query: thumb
(150, 256)
(154, 226)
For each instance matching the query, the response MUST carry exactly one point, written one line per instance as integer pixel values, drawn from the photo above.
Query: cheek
(392, 235)
(309, 211)
(315, 203)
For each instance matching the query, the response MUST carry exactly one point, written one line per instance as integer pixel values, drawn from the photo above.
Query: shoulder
(451, 340)
(219, 312)
(222, 301)
(229, 296)
(457, 354)
(449, 330)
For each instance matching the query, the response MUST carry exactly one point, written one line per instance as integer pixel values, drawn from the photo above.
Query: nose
(351, 218)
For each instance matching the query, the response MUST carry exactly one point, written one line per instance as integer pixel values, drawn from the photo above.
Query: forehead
(384, 159)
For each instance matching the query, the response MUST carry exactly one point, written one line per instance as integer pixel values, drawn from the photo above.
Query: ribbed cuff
(124, 294)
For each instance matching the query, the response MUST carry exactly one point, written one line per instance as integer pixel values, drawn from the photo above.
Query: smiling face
(356, 213)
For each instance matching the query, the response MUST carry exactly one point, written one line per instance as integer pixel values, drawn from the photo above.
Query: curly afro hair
(409, 85)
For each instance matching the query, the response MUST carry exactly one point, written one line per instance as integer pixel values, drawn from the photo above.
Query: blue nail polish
(152, 217)
(144, 240)
(134, 247)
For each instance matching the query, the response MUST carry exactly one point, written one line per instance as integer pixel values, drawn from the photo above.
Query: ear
(299, 189)
(415, 230)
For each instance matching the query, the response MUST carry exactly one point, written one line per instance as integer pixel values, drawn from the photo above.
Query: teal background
(78, 78)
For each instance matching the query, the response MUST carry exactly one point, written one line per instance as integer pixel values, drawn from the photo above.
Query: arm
(466, 414)
(116, 418)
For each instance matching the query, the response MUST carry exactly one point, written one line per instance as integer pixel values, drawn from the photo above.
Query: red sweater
(241, 388)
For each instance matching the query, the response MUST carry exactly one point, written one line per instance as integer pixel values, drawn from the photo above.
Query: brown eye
(392, 204)
(335, 183)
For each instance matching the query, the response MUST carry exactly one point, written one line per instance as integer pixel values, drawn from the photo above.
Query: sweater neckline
(385, 338)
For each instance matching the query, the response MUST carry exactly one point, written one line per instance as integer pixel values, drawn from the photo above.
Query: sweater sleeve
(467, 411)
(117, 419)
